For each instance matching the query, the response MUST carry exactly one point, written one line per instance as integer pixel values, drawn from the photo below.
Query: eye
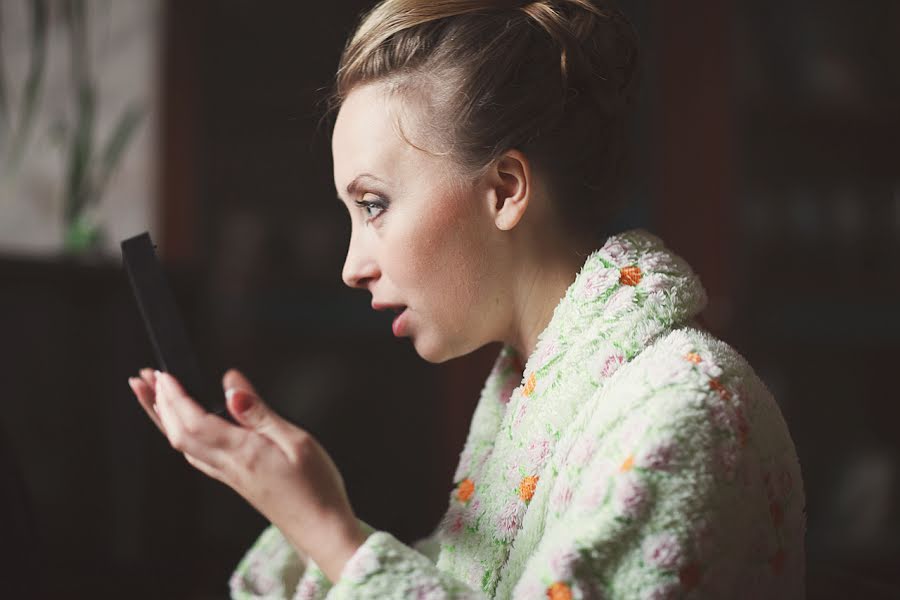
(367, 205)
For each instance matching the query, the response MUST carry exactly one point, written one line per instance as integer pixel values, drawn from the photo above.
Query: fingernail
(243, 402)
(131, 384)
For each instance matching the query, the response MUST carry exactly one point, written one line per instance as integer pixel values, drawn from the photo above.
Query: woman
(617, 450)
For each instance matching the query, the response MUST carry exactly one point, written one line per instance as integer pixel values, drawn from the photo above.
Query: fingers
(185, 406)
(248, 409)
(190, 428)
(147, 399)
(148, 376)
(235, 379)
(252, 413)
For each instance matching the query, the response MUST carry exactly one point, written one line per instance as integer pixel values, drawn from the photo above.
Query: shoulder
(685, 369)
(689, 388)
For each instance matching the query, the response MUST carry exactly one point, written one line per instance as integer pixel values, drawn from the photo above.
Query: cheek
(440, 256)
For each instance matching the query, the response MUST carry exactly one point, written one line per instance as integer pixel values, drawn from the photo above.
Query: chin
(436, 352)
(433, 354)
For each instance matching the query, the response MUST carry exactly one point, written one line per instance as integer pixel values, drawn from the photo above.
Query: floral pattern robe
(632, 455)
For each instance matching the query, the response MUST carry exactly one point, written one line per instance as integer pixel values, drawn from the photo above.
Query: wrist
(338, 542)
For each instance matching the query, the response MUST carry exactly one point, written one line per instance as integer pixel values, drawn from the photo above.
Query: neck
(539, 287)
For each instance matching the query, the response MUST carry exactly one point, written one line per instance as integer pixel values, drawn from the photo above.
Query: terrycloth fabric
(634, 456)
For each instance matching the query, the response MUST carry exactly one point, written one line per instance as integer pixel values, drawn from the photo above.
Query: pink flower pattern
(562, 497)
(631, 496)
(599, 282)
(657, 456)
(361, 565)
(562, 562)
(307, 590)
(538, 450)
(607, 361)
(616, 250)
(548, 350)
(509, 520)
(611, 473)
(521, 410)
(663, 551)
(583, 451)
(458, 517)
(509, 386)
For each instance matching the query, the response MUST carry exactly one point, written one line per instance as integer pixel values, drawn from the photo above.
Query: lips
(399, 325)
(395, 308)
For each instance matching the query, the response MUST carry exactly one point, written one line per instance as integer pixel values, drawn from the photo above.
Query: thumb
(235, 379)
(251, 412)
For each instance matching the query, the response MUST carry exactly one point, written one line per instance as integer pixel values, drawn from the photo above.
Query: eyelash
(366, 204)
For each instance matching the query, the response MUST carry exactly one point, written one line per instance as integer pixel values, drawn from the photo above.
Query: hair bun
(598, 49)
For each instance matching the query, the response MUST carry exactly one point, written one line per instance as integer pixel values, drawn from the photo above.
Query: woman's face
(418, 239)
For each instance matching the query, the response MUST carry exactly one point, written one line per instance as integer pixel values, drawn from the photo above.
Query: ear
(511, 184)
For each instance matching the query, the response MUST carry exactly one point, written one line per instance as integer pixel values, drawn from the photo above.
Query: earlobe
(512, 176)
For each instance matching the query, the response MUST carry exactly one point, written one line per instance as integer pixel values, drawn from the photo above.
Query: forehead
(365, 138)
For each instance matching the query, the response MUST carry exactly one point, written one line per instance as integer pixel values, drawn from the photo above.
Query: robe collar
(626, 295)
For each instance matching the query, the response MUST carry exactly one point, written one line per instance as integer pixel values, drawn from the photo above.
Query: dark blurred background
(766, 154)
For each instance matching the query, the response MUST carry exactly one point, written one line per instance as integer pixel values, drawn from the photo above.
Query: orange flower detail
(529, 385)
(689, 576)
(465, 490)
(630, 275)
(693, 357)
(526, 488)
(715, 384)
(559, 591)
(628, 464)
(777, 561)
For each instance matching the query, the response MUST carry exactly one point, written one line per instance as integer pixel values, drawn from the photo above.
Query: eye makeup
(366, 205)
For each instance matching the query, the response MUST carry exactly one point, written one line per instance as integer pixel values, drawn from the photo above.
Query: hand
(276, 466)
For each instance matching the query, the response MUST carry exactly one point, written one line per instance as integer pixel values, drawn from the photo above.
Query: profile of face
(422, 237)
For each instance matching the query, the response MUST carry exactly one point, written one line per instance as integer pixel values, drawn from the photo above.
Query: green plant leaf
(81, 236)
(114, 149)
(78, 185)
(33, 84)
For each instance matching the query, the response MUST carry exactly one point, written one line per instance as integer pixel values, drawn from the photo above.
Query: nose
(360, 267)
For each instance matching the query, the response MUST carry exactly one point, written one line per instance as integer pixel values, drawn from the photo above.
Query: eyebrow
(354, 185)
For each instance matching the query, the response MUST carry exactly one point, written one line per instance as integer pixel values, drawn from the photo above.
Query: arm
(275, 465)
(273, 568)
(284, 473)
(382, 568)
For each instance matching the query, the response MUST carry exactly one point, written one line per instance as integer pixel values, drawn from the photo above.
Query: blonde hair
(555, 79)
